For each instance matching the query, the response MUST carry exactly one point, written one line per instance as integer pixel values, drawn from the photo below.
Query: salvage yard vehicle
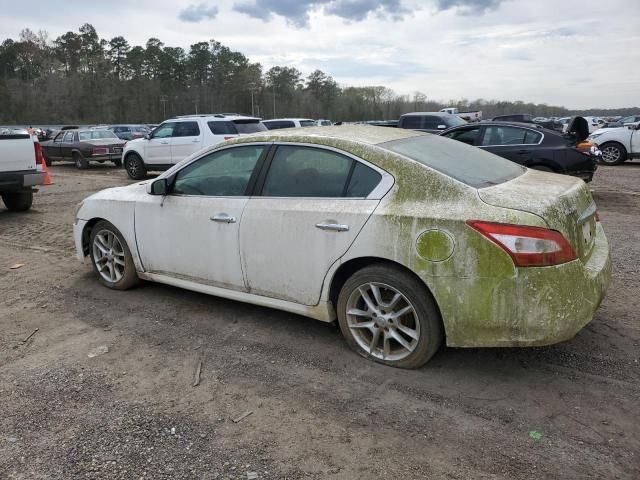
(408, 239)
(468, 116)
(618, 144)
(533, 146)
(431, 122)
(177, 138)
(129, 132)
(277, 123)
(20, 168)
(84, 146)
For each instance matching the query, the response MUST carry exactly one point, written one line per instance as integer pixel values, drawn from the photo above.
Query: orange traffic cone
(47, 177)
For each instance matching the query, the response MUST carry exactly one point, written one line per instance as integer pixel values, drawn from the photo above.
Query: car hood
(564, 203)
(121, 194)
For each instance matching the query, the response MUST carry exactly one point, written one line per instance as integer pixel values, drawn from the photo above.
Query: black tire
(18, 201)
(415, 294)
(134, 166)
(80, 162)
(129, 276)
(613, 153)
(118, 162)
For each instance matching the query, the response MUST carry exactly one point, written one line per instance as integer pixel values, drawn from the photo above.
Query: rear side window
(363, 180)
(307, 123)
(186, 129)
(277, 124)
(222, 128)
(470, 165)
(249, 126)
(307, 172)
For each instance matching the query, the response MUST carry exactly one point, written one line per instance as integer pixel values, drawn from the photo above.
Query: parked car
(518, 117)
(595, 123)
(180, 137)
(409, 239)
(130, 132)
(278, 123)
(20, 168)
(84, 146)
(324, 123)
(468, 116)
(532, 146)
(623, 122)
(431, 122)
(618, 144)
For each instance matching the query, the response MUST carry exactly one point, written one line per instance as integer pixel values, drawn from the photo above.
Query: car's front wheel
(135, 167)
(387, 314)
(111, 257)
(612, 154)
(80, 162)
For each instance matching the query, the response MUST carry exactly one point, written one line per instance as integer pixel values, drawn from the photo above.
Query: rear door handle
(164, 143)
(223, 218)
(332, 226)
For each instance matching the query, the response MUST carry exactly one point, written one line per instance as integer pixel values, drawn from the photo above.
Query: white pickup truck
(468, 116)
(21, 168)
(617, 144)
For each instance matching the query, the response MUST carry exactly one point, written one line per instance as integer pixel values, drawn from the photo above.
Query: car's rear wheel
(18, 201)
(612, 153)
(111, 257)
(386, 314)
(80, 162)
(135, 167)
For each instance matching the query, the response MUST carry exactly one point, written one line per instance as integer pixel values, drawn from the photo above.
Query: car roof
(289, 119)
(365, 134)
(439, 114)
(531, 126)
(213, 117)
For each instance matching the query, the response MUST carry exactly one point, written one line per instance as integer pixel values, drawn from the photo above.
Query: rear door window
(297, 171)
(307, 123)
(186, 129)
(503, 135)
(68, 137)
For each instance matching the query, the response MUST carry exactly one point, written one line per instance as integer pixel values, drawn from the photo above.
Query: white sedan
(617, 144)
(408, 239)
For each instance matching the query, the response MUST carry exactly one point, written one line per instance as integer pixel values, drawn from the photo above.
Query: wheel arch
(625, 150)
(348, 268)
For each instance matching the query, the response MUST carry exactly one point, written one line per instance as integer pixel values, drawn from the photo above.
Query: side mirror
(147, 136)
(158, 187)
(442, 127)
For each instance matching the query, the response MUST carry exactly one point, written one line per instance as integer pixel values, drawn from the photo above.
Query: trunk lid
(564, 203)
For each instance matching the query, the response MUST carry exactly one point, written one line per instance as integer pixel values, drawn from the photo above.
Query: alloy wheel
(611, 154)
(108, 256)
(382, 321)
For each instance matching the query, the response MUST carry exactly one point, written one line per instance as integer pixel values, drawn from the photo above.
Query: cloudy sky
(576, 53)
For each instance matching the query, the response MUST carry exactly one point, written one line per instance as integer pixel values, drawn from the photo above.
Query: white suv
(177, 138)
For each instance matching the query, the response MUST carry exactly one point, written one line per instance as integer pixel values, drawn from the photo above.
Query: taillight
(100, 151)
(228, 138)
(39, 155)
(527, 246)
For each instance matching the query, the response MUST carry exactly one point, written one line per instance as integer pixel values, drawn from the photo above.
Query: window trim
(383, 187)
(511, 144)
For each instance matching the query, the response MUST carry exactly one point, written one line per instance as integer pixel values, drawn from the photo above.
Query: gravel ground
(72, 410)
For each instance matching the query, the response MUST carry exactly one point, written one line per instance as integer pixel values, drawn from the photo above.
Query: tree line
(80, 77)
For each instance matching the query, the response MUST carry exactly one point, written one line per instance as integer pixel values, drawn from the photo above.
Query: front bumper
(537, 306)
(78, 229)
(110, 157)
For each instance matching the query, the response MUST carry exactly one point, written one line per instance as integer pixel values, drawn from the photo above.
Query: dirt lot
(319, 411)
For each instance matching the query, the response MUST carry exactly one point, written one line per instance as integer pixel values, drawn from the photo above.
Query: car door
(186, 139)
(192, 233)
(513, 143)
(66, 147)
(635, 143)
(311, 205)
(468, 135)
(158, 148)
(52, 150)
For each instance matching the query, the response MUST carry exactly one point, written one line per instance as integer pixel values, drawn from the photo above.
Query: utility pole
(195, 103)
(274, 100)
(163, 101)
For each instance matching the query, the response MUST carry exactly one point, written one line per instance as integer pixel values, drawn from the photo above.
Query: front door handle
(333, 226)
(223, 218)
(197, 140)
(164, 143)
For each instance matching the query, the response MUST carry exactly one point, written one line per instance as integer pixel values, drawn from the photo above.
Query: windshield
(85, 135)
(465, 163)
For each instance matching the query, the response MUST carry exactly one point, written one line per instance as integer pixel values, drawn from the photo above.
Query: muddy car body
(423, 239)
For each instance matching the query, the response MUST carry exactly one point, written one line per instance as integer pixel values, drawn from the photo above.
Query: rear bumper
(14, 181)
(537, 306)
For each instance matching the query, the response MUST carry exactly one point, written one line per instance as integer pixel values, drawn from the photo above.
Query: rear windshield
(96, 134)
(249, 126)
(465, 163)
